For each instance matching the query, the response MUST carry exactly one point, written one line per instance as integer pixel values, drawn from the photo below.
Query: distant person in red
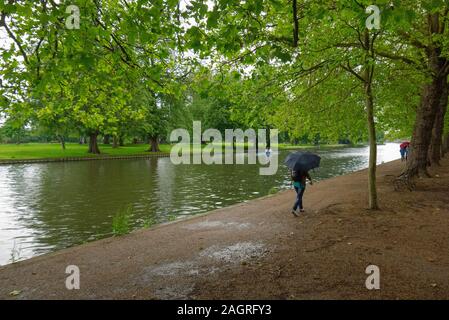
(404, 150)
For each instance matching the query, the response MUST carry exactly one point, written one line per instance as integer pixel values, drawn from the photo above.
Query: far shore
(52, 152)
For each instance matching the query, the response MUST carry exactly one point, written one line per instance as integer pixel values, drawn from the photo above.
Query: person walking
(299, 179)
(403, 149)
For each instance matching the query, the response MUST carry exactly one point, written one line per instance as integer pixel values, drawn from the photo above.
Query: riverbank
(52, 152)
(258, 250)
(85, 158)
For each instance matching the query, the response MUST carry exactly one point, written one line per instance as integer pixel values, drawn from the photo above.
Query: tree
(85, 76)
(254, 32)
(420, 40)
(13, 129)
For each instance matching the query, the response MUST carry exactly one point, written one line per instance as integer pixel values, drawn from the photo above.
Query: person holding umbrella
(300, 163)
(299, 183)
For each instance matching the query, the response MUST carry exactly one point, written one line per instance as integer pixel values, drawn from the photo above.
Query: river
(45, 207)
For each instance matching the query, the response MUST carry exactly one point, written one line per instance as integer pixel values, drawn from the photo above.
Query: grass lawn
(54, 150)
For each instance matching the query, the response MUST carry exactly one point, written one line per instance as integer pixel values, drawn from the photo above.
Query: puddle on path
(175, 280)
(207, 224)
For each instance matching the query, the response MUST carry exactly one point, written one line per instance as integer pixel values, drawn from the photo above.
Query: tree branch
(295, 24)
(351, 71)
(396, 57)
(14, 38)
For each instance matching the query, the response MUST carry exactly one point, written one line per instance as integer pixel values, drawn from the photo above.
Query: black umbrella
(302, 161)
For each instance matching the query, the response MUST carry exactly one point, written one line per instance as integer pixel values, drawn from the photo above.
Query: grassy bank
(54, 150)
(33, 151)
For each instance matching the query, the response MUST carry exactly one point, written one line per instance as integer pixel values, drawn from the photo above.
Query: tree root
(404, 181)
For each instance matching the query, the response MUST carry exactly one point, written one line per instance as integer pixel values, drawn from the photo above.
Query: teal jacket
(302, 183)
(298, 185)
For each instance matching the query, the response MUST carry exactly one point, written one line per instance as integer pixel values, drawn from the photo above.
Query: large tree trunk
(435, 150)
(372, 188)
(154, 144)
(93, 144)
(429, 105)
(368, 76)
(422, 133)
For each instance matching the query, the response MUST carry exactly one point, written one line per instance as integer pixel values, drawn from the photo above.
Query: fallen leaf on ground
(15, 293)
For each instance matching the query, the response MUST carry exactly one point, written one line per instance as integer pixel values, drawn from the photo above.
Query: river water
(49, 206)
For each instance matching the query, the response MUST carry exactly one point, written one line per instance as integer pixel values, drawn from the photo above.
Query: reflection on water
(46, 207)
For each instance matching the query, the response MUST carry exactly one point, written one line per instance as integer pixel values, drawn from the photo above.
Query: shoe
(295, 213)
(302, 210)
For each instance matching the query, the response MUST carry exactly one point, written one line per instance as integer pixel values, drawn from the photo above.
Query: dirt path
(258, 250)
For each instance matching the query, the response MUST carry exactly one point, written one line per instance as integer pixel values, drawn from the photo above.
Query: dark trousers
(299, 194)
(403, 154)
